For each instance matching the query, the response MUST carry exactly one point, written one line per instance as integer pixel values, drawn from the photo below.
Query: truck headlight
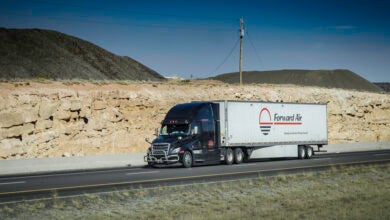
(175, 151)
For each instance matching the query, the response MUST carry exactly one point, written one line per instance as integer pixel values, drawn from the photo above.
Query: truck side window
(205, 117)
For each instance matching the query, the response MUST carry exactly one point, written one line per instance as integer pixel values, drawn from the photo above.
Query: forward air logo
(266, 122)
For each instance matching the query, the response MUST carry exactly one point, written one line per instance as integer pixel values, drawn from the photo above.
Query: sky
(200, 38)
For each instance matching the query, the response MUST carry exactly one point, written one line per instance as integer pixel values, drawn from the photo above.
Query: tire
(150, 165)
(247, 153)
(187, 159)
(301, 152)
(238, 155)
(308, 152)
(229, 157)
(246, 158)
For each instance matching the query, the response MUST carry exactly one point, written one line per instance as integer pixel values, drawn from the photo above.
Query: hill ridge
(335, 78)
(30, 53)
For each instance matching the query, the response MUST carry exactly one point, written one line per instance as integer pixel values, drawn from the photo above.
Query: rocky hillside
(35, 53)
(54, 119)
(343, 79)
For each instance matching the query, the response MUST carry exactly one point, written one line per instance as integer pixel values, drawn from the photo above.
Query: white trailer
(273, 130)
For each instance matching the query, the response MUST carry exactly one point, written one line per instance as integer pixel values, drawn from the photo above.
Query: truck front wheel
(238, 155)
(150, 164)
(187, 159)
(229, 158)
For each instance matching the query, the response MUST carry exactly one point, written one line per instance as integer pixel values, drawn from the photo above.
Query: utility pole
(242, 32)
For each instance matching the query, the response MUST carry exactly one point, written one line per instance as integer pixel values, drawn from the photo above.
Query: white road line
(141, 173)
(70, 173)
(380, 154)
(10, 183)
(325, 158)
(244, 165)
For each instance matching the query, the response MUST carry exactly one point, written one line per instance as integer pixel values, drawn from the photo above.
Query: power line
(254, 48)
(242, 32)
(227, 57)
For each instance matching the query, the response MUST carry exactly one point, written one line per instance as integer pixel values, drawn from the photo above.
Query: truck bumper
(162, 159)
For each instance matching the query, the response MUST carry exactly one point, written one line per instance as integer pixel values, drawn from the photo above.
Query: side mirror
(195, 130)
(147, 140)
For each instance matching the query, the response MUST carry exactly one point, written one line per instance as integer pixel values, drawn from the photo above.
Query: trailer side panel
(266, 123)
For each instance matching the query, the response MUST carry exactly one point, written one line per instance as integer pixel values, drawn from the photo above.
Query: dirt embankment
(55, 119)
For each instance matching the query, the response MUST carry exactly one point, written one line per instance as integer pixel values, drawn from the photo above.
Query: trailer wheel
(187, 159)
(301, 152)
(308, 152)
(246, 158)
(238, 155)
(247, 155)
(229, 156)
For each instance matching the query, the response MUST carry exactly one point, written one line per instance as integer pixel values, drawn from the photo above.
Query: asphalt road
(19, 188)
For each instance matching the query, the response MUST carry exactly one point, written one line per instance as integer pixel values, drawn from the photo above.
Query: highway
(17, 188)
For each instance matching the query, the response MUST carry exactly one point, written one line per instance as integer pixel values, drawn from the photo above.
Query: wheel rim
(303, 152)
(187, 159)
(309, 152)
(239, 156)
(230, 156)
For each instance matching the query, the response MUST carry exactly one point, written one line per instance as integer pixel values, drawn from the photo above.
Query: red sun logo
(265, 121)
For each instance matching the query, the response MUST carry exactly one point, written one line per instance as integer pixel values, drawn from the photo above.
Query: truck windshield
(175, 129)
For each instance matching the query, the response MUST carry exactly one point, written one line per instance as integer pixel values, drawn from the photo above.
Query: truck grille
(160, 148)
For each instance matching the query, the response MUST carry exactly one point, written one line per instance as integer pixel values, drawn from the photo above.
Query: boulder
(46, 136)
(47, 109)
(85, 112)
(28, 99)
(75, 105)
(368, 136)
(379, 116)
(62, 115)
(42, 125)
(28, 140)
(73, 128)
(65, 105)
(30, 114)
(9, 119)
(16, 131)
(133, 95)
(74, 115)
(66, 93)
(2, 103)
(384, 133)
(96, 125)
(9, 147)
(334, 108)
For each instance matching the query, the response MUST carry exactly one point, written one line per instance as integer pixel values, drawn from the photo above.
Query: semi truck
(214, 132)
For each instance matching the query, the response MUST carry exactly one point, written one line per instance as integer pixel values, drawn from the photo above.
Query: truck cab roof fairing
(184, 112)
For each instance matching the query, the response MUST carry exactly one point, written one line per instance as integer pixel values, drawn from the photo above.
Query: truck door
(208, 138)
